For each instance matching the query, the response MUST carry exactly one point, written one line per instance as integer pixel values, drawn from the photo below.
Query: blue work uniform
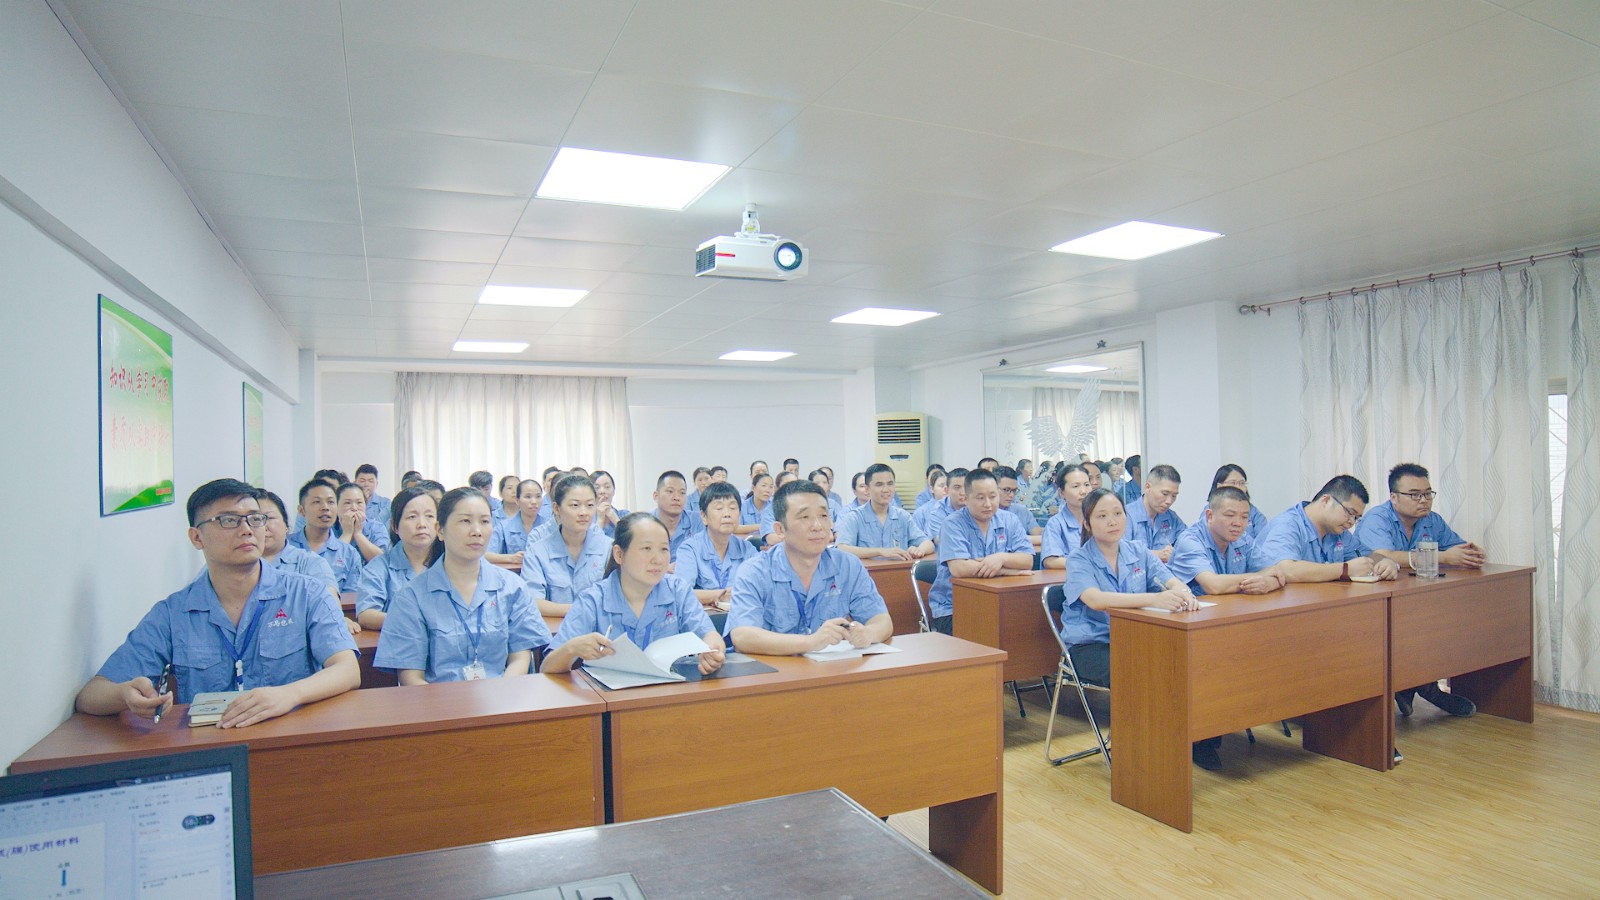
(930, 518)
(497, 508)
(374, 530)
(1130, 491)
(509, 535)
(343, 559)
(750, 515)
(1258, 523)
(1158, 533)
(1196, 551)
(688, 526)
(860, 528)
(289, 627)
(378, 510)
(962, 539)
(923, 498)
(431, 628)
(767, 593)
(670, 609)
(698, 565)
(610, 530)
(382, 580)
(1063, 533)
(551, 572)
(1381, 529)
(1138, 571)
(304, 562)
(1291, 535)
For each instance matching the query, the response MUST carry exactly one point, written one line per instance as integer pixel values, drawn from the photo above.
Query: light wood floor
(1481, 807)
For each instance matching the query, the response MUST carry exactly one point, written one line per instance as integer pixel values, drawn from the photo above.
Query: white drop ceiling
(372, 163)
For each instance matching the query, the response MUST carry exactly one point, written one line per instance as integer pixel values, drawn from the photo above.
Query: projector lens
(787, 256)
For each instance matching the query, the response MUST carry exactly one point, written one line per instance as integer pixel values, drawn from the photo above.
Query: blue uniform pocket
(282, 656)
(200, 669)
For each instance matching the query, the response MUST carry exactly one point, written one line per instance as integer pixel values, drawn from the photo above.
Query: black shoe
(1398, 756)
(1404, 699)
(1450, 703)
(1206, 756)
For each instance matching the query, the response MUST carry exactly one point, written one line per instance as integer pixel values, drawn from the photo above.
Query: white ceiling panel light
(1076, 369)
(490, 346)
(622, 179)
(877, 315)
(513, 295)
(756, 355)
(1134, 240)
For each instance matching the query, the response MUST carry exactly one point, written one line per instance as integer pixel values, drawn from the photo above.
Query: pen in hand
(161, 689)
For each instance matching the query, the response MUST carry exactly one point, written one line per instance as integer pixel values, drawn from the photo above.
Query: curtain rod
(1250, 309)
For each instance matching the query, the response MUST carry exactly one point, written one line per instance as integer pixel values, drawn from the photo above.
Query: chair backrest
(1054, 599)
(924, 572)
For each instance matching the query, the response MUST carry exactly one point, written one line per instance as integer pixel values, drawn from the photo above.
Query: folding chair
(923, 573)
(1053, 599)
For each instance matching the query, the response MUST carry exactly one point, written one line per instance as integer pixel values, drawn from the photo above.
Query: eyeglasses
(1354, 516)
(1009, 492)
(1418, 496)
(231, 521)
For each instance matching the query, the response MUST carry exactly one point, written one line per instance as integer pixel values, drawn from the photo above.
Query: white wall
(87, 208)
(684, 424)
(356, 425)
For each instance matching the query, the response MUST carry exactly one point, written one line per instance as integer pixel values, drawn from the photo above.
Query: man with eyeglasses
(1010, 487)
(1392, 530)
(241, 625)
(1315, 540)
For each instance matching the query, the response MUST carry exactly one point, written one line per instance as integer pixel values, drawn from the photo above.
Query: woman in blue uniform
(413, 525)
(637, 598)
(572, 555)
(1233, 476)
(606, 514)
(462, 619)
(522, 519)
(1063, 533)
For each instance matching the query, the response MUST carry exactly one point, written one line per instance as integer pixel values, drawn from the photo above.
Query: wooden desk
(1006, 613)
(900, 731)
(1473, 627)
(893, 578)
(764, 848)
(347, 603)
(382, 772)
(1319, 652)
(366, 649)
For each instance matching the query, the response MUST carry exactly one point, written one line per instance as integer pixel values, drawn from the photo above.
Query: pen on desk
(161, 688)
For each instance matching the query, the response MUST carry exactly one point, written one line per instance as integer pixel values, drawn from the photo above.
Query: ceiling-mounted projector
(751, 254)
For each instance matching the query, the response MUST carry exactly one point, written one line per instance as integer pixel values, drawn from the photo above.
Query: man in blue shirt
(1010, 487)
(377, 504)
(1133, 488)
(1315, 540)
(482, 480)
(930, 518)
(240, 625)
(1151, 520)
(980, 541)
(319, 505)
(1213, 555)
(670, 493)
(803, 595)
(881, 530)
(1392, 530)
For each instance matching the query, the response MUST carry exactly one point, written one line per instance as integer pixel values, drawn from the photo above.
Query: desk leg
(1505, 690)
(1150, 760)
(966, 834)
(1356, 733)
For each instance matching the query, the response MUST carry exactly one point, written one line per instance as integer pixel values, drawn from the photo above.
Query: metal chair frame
(1067, 673)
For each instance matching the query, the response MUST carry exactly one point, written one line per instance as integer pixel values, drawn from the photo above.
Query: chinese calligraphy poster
(135, 412)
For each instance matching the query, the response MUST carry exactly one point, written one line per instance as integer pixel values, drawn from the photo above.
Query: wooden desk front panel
(1012, 619)
(423, 792)
(892, 744)
(1274, 668)
(893, 580)
(1464, 623)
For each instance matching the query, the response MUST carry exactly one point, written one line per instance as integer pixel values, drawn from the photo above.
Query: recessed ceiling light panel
(1076, 369)
(875, 315)
(1134, 240)
(756, 355)
(490, 346)
(622, 179)
(512, 295)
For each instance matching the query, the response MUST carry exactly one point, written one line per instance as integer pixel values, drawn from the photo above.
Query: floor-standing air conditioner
(902, 443)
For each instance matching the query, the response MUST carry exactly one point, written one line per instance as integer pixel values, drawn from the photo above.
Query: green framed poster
(255, 440)
(135, 412)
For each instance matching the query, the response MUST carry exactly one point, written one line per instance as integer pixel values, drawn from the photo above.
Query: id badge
(473, 672)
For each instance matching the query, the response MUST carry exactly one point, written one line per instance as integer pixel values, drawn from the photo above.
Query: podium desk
(897, 732)
(382, 772)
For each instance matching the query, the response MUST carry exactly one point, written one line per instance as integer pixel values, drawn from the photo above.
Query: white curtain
(448, 426)
(1449, 374)
(1572, 677)
(1117, 431)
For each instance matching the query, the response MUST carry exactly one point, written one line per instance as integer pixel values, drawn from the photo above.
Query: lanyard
(456, 608)
(244, 644)
(800, 604)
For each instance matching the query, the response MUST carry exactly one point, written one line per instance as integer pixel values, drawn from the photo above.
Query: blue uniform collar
(395, 558)
(434, 580)
(783, 570)
(554, 545)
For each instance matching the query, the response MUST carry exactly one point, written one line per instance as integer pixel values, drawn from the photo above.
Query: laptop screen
(169, 826)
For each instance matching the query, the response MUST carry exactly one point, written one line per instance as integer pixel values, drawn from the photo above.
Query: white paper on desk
(1203, 605)
(654, 661)
(844, 650)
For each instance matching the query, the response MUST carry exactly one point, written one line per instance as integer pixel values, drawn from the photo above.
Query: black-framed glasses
(231, 521)
(1354, 516)
(1418, 496)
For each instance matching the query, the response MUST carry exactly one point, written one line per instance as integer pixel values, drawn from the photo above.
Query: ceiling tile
(652, 118)
(273, 197)
(442, 162)
(285, 234)
(440, 210)
(574, 36)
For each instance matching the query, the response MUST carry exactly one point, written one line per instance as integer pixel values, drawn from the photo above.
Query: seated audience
(670, 492)
(709, 559)
(1230, 475)
(413, 526)
(1213, 556)
(319, 505)
(572, 556)
(1064, 532)
(1151, 521)
(1314, 540)
(523, 519)
(606, 514)
(881, 530)
(979, 541)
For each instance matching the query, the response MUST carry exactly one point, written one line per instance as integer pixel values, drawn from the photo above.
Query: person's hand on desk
(857, 635)
(1383, 567)
(991, 566)
(142, 699)
(1164, 554)
(1262, 582)
(710, 662)
(1466, 556)
(258, 705)
(593, 645)
(354, 626)
(895, 553)
(832, 632)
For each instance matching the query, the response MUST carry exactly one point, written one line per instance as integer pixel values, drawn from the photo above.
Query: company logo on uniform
(281, 620)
